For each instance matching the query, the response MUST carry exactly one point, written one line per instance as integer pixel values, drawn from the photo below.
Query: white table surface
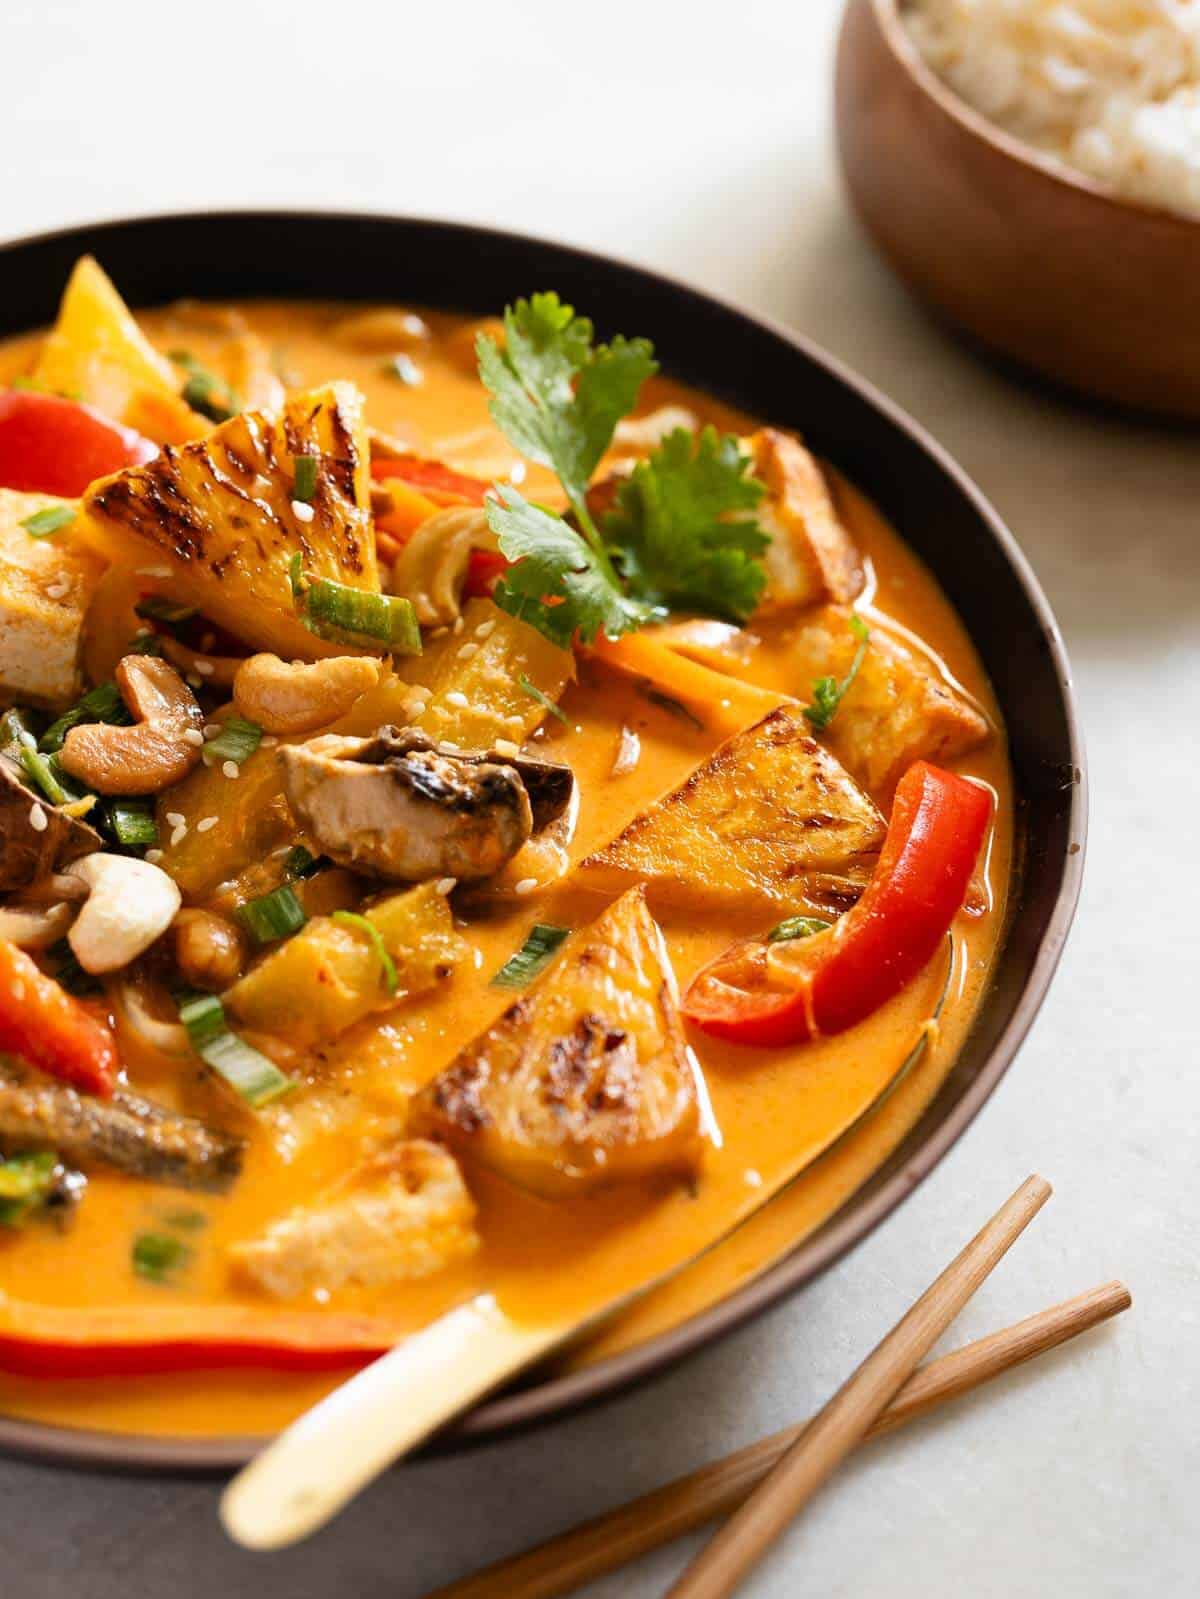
(698, 141)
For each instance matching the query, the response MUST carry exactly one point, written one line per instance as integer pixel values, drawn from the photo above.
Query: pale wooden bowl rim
(906, 54)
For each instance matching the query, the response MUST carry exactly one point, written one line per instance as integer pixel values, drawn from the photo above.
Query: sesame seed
(229, 768)
(478, 959)
(447, 885)
(205, 668)
(268, 741)
(438, 632)
(154, 856)
(505, 746)
(143, 632)
(459, 624)
(153, 571)
(193, 736)
(465, 651)
(457, 697)
(213, 729)
(525, 886)
(302, 512)
(205, 824)
(753, 1179)
(56, 591)
(175, 819)
(178, 836)
(485, 629)
(37, 819)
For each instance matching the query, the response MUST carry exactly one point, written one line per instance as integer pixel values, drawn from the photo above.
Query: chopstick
(835, 1430)
(593, 1549)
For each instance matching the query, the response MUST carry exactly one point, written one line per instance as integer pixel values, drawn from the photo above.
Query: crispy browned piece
(46, 585)
(403, 1214)
(770, 823)
(899, 709)
(811, 556)
(587, 1078)
(216, 520)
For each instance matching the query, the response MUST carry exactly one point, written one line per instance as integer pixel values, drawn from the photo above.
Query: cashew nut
(209, 951)
(130, 904)
(35, 926)
(285, 699)
(154, 753)
(432, 567)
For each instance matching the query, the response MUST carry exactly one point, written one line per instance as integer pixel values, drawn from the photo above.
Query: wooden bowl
(1035, 263)
(764, 369)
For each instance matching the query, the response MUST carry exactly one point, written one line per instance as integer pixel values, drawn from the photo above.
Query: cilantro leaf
(827, 692)
(554, 395)
(676, 535)
(557, 583)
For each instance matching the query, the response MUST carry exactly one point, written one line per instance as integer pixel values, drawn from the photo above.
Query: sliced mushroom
(152, 754)
(35, 837)
(130, 904)
(400, 806)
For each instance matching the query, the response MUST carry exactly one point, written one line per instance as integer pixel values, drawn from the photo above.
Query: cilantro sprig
(827, 692)
(679, 535)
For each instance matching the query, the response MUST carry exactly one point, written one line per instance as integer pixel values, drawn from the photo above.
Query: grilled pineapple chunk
(404, 1214)
(769, 823)
(329, 975)
(898, 709)
(488, 679)
(811, 556)
(218, 517)
(45, 586)
(97, 353)
(587, 1078)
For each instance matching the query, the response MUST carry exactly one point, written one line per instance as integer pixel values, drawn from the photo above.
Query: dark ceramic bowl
(772, 373)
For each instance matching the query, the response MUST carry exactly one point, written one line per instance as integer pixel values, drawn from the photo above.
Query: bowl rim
(851, 1223)
(904, 50)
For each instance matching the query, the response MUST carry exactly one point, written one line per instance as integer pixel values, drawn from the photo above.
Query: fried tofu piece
(899, 708)
(403, 1214)
(219, 519)
(769, 823)
(45, 587)
(811, 557)
(587, 1078)
(97, 353)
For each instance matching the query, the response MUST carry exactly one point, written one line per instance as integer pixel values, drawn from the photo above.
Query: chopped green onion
(157, 608)
(304, 477)
(797, 927)
(157, 1257)
(247, 1071)
(100, 704)
(200, 390)
(46, 772)
(50, 520)
(236, 742)
(299, 862)
(403, 367)
(132, 823)
(363, 924)
(278, 914)
(534, 955)
(185, 1221)
(827, 692)
(26, 1183)
(336, 611)
(146, 644)
(535, 693)
(16, 730)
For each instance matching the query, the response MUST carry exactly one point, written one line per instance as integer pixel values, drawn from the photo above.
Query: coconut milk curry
(473, 812)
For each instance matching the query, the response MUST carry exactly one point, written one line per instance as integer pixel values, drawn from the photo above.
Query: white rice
(1109, 87)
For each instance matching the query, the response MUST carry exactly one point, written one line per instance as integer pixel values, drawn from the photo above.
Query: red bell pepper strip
(49, 445)
(483, 568)
(41, 1023)
(437, 481)
(937, 826)
(53, 1341)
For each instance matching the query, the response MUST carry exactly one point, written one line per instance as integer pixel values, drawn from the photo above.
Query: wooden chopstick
(592, 1550)
(849, 1415)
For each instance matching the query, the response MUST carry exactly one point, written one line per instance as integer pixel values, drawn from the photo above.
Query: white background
(696, 138)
